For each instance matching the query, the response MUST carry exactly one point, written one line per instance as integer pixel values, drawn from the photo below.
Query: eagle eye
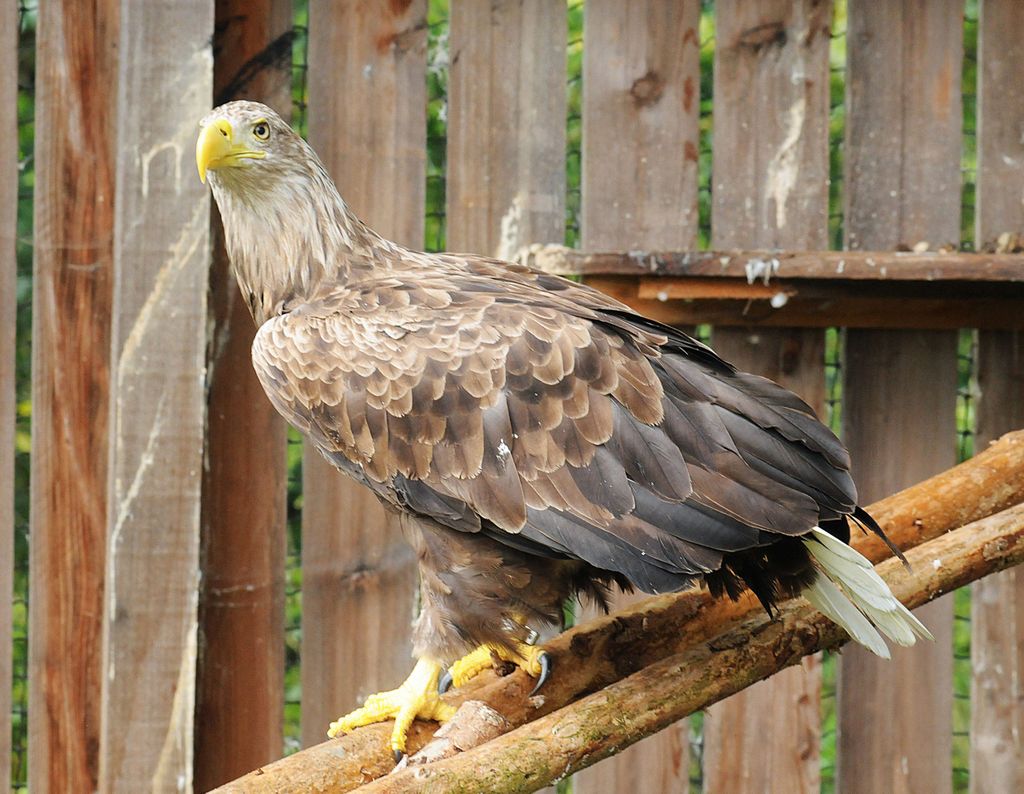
(261, 130)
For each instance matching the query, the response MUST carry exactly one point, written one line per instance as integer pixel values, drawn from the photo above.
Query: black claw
(545, 672)
(444, 683)
(398, 755)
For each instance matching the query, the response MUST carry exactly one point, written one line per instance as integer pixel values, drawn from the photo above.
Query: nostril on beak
(224, 132)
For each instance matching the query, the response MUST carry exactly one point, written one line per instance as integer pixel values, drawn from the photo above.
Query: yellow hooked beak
(216, 148)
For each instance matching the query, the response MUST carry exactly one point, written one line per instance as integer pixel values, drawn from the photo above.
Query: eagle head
(286, 228)
(245, 146)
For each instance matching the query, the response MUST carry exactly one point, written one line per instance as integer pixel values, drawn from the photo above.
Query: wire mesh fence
(293, 557)
(26, 181)
(435, 120)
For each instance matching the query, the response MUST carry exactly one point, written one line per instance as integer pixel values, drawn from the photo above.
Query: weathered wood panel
(367, 100)
(902, 186)
(770, 147)
(754, 265)
(667, 300)
(506, 125)
(240, 686)
(641, 104)
(770, 190)
(997, 606)
(75, 153)
(161, 259)
(641, 107)
(8, 326)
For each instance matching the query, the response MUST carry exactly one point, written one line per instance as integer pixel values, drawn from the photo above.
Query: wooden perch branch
(597, 654)
(610, 720)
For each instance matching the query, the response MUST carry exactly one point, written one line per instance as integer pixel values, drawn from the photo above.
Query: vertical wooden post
(902, 186)
(75, 156)
(770, 190)
(506, 125)
(240, 687)
(8, 326)
(997, 606)
(641, 106)
(367, 106)
(161, 257)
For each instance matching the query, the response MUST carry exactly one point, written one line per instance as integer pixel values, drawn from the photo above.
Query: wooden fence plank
(75, 153)
(771, 74)
(770, 190)
(240, 686)
(902, 186)
(161, 261)
(997, 604)
(8, 327)
(770, 157)
(506, 125)
(641, 106)
(367, 100)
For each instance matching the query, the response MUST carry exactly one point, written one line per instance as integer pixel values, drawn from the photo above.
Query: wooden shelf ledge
(766, 265)
(857, 289)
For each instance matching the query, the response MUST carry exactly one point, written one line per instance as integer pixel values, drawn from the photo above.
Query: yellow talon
(471, 665)
(416, 698)
(529, 658)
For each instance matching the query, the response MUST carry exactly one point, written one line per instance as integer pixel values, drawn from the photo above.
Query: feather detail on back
(849, 592)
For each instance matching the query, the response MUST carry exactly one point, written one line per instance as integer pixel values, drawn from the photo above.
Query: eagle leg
(534, 661)
(417, 697)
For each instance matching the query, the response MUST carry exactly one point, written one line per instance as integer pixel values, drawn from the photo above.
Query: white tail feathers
(849, 592)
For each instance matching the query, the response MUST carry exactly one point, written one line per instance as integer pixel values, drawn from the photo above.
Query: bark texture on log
(597, 654)
(607, 721)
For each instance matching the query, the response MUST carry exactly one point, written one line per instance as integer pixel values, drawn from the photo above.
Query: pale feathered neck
(291, 239)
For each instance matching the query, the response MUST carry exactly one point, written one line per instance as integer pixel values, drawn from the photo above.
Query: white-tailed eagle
(539, 439)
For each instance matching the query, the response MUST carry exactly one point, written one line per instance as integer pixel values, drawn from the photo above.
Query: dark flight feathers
(491, 398)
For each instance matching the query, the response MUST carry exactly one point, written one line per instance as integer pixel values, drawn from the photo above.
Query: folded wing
(547, 414)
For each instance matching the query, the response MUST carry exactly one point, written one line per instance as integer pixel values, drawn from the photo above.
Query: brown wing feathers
(477, 399)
